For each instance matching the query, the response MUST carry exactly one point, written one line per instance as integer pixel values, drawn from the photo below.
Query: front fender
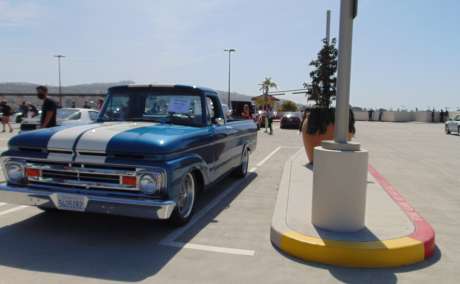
(178, 168)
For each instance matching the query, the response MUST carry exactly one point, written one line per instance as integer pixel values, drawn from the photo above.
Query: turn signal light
(32, 172)
(129, 180)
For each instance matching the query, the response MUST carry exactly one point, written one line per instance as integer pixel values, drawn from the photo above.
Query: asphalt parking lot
(228, 239)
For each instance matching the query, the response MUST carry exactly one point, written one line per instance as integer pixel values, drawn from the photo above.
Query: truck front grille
(81, 175)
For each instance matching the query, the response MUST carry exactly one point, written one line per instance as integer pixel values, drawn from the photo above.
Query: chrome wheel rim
(245, 161)
(186, 196)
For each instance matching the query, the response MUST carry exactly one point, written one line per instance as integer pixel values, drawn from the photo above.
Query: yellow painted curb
(388, 253)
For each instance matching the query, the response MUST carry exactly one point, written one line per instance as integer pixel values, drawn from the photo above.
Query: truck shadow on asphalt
(101, 246)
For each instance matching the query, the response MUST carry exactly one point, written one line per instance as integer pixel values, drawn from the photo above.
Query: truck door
(222, 138)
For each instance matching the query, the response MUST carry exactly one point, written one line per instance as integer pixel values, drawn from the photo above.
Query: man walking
(270, 116)
(49, 108)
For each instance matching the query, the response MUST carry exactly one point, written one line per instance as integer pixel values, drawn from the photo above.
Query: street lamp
(340, 173)
(59, 56)
(229, 50)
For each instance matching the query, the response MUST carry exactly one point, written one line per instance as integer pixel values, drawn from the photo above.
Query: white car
(453, 125)
(64, 116)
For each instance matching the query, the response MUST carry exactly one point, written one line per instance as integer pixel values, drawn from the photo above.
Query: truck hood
(127, 138)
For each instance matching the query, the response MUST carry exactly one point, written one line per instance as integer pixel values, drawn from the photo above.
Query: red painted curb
(423, 231)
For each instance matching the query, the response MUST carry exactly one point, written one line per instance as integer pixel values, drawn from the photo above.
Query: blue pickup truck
(152, 149)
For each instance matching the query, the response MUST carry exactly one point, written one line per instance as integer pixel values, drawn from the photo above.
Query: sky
(406, 54)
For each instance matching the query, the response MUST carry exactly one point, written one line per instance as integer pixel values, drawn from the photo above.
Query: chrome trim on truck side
(140, 208)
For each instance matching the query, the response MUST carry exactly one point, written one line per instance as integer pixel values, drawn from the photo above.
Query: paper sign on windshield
(179, 105)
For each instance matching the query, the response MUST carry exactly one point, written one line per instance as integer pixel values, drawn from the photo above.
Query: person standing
(23, 109)
(270, 119)
(49, 108)
(304, 117)
(100, 103)
(6, 113)
(246, 114)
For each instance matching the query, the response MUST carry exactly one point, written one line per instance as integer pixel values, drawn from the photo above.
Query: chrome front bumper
(140, 208)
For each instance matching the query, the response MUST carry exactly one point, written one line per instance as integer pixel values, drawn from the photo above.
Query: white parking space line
(269, 156)
(14, 209)
(178, 232)
(170, 239)
(212, 248)
(2, 204)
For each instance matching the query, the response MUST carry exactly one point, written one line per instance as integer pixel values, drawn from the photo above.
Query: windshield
(65, 113)
(166, 108)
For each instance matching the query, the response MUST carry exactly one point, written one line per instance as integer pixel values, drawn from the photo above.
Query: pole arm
(229, 76)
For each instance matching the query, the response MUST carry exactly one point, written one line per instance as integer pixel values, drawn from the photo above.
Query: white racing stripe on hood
(96, 140)
(65, 139)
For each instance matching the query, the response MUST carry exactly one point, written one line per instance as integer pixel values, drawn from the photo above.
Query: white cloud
(17, 13)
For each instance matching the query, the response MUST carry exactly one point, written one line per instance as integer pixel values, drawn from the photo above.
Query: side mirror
(220, 121)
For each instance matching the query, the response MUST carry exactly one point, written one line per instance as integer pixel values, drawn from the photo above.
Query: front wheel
(447, 130)
(185, 201)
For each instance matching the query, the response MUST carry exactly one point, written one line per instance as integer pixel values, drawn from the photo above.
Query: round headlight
(150, 183)
(14, 171)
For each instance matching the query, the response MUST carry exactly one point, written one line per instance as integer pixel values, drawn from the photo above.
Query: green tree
(322, 88)
(288, 106)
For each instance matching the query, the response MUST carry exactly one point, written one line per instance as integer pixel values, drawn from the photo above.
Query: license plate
(70, 202)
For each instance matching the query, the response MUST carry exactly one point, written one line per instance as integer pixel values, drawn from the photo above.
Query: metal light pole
(59, 56)
(348, 10)
(328, 26)
(229, 50)
(340, 166)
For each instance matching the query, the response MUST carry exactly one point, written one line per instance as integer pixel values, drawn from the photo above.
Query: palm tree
(266, 85)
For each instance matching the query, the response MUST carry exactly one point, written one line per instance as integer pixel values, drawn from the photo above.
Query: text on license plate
(70, 202)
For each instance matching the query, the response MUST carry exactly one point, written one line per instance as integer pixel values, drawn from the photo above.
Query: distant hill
(24, 87)
(101, 88)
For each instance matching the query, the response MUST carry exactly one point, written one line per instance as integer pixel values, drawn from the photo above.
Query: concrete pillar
(339, 189)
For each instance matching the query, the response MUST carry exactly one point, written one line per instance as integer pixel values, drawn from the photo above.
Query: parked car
(64, 117)
(291, 120)
(453, 125)
(151, 151)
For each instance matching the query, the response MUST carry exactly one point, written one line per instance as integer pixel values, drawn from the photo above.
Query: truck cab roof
(139, 87)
